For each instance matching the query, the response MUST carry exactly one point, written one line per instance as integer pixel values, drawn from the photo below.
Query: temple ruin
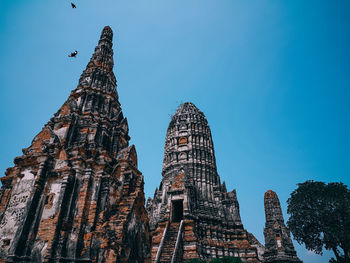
(278, 244)
(192, 215)
(76, 195)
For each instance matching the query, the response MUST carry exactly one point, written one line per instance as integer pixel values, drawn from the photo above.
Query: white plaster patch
(279, 244)
(183, 148)
(16, 207)
(91, 137)
(50, 211)
(61, 133)
(78, 101)
(132, 222)
(27, 175)
(60, 164)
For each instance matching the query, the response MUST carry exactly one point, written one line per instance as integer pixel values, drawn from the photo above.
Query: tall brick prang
(76, 195)
(278, 244)
(192, 215)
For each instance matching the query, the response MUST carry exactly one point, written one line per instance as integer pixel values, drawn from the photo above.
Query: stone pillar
(278, 244)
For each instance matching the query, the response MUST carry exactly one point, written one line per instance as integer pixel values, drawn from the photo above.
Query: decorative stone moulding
(76, 195)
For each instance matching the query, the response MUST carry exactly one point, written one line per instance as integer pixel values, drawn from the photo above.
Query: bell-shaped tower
(192, 215)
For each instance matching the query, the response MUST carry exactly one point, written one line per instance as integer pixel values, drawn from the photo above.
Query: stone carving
(191, 191)
(278, 244)
(76, 195)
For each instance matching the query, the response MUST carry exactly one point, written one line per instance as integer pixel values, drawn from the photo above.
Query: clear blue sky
(271, 76)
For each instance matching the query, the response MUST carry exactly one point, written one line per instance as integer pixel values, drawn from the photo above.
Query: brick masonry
(212, 223)
(76, 195)
(278, 244)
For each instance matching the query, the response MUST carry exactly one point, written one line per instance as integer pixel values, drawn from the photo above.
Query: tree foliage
(320, 217)
(218, 260)
(226, 260)
(196, 260)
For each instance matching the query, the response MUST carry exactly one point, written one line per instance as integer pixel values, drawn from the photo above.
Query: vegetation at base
(320, 218)
(217, 260)
(226, 260)
(196, 260)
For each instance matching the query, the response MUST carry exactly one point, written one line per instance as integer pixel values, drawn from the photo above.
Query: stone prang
(192, 215)
(278, 244)
(76, 195)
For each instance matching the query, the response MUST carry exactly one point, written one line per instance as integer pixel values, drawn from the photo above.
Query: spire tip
(107, 33)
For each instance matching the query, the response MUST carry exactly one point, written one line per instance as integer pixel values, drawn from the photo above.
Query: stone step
(169, 243)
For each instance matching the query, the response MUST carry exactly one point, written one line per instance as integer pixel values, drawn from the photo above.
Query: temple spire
(191, 202)
(76, 195)
(107, 34)
(273, 211)
(103, 55)
(99, 71)
(278, 244)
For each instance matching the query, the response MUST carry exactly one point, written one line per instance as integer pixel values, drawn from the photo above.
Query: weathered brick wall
(76, 193)
(278, 243)
(212, 223)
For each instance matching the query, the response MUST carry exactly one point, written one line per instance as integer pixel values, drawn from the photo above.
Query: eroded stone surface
(76, 195)
(191, 190)
(278, 244)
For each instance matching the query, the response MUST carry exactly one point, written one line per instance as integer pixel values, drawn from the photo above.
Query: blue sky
(271, 76)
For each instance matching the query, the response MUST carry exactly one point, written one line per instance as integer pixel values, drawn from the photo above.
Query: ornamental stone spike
(99, 71)
(103, 55)
(278, 243)
(273, 211)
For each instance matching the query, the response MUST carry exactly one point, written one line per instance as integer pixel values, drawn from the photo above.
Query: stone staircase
(169, 243)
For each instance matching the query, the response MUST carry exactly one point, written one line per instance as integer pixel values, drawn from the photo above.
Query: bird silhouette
(73, 55)
(73, 5)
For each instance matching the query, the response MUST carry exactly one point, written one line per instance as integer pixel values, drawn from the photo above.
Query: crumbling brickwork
(278, 244)
(191, 193)
(76, 195)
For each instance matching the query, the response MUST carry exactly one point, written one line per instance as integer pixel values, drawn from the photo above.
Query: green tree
(196, 260)
(218, 260)
(320, 218)
(226, 260)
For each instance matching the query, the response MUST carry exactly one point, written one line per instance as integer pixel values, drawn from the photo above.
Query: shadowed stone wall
(212, 223)
(278, 244)
(76, 195)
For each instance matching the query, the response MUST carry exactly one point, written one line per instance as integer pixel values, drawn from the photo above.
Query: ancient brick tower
(192, 215)
(278, 244)
(76, 195)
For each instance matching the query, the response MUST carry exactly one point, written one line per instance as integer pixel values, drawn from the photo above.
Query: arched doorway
(177, 210)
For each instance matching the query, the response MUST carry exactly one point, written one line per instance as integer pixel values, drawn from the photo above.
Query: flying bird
(73, 55)
(73, 5)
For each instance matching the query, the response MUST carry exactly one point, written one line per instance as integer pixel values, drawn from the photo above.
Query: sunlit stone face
(189, 147)
(191, 194)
